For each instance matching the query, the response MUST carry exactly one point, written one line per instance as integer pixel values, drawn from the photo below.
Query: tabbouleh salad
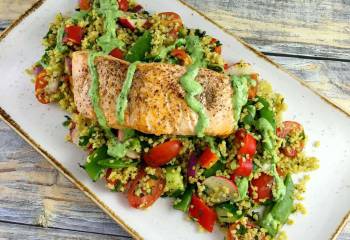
(242, 181)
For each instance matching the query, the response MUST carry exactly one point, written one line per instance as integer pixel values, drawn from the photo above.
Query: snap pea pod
(267, 132)
(242, 185)
(275, 217)
(216, 167)
(93, 169)
(250, 110)
(185, 202)
(116, 163)
(266, 112)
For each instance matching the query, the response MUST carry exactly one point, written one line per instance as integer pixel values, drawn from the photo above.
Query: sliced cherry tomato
(162, 153)
(73, 34)
(218, 49)
(253, 89)
(123, 5)
(127, 23)
(248, 145)
(84, 5)
(171, 20)
(144, 200)
(117, 53)
(40, 85)
(262, 186)
(208, 158)
(287, 127)
(226, 66)
(245, 166)
(290, 128)
(182, 55)
(204, 215)
(232, 231)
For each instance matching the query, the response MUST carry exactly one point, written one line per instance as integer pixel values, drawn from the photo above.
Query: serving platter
(328, 193)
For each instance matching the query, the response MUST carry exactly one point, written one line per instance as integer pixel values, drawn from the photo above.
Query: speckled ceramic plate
(328, 195)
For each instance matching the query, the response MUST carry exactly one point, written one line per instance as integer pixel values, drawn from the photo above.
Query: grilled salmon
(156, 102)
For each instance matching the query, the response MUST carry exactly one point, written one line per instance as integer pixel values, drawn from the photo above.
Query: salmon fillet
(156, 102)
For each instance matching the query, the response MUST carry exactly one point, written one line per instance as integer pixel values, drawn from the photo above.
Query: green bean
(275, 217)
(92, 167)
(186, 198)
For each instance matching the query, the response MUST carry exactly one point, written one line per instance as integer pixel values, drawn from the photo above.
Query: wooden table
(309, 38)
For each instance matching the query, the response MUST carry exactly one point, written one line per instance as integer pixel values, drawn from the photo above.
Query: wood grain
(34, 194)
(10, 231)
(303, 28)
(307, 28)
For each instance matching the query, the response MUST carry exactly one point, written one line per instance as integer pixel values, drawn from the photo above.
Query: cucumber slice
(227, 213)
(174, 181)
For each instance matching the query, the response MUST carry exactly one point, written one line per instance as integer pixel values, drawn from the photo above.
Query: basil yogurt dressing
(108, 41)
(192, 87)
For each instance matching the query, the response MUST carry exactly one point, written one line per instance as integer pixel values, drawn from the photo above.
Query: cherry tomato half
(123, 5)
(144, 200)
(287, 131)
(204, 215)
(84, 5)
(262, 186)
(162, 153)
(40, 85)
(171, 20)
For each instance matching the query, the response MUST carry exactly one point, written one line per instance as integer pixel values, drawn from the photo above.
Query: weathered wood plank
(329, 78)
(11, 231)
(32, 192)
(308, 28)
(11, 9)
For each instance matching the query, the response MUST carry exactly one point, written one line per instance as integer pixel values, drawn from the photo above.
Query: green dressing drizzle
(122, 99)
(240, 96)
(192, 87)
(79, 16)
(59, 40)
(109, 41)
(115, 149)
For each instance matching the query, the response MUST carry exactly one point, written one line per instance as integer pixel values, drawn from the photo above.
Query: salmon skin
(156, 103)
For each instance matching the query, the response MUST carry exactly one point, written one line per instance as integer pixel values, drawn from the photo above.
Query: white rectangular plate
(328, 195)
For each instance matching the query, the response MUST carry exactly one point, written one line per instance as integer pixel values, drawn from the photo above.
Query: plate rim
(4, 116)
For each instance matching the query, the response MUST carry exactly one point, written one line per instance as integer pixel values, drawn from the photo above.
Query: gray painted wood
(294, 27)
(34, 195)
(10, 231)
(308, 28)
